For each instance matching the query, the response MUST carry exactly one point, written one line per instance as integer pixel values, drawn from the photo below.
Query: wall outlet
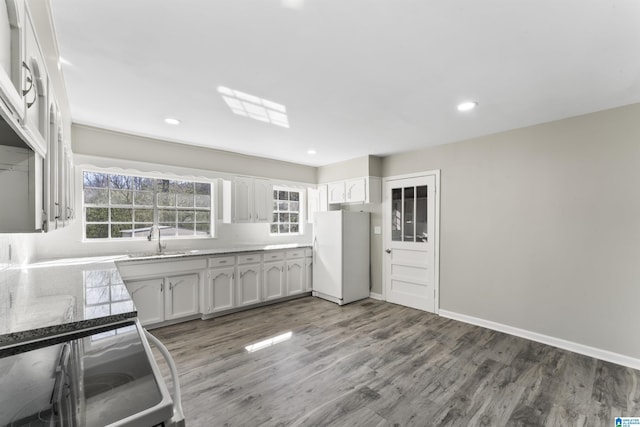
(377, 230)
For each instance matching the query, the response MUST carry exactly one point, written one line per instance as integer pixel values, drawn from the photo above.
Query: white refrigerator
(341, 256)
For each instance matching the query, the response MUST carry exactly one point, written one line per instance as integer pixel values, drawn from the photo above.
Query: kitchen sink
(156, 254)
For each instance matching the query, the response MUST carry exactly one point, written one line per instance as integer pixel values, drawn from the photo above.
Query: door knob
(388, 251)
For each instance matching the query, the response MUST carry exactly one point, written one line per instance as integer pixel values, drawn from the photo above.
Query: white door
(295, 276)
(248, 284)
(273, 280)
(410, 225)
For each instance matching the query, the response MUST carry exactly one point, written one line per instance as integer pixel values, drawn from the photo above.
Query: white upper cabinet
(335, 192)
(367, 189)
(253, 199)
(35, 89)
(11, 50)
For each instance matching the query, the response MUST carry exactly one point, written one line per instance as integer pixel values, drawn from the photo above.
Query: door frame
(386, 230)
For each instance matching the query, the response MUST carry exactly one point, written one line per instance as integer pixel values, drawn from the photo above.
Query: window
(127, 206)
(286, 212)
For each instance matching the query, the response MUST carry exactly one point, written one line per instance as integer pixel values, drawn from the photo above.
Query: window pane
(181, 187)
(166, 216)
(185, 200)
(166, 199)
(275, 194)
(142, 229)
(203, 188)
(96, 214)
(143, 198)
(97, 231)
(121, 182)
(283, 206)
(284, 228)
(294, 206)
(293, 217)
(283, 195)
(294, 195)
(121, 230)
(96, 196)
(421, 214)
(121, 215)
(204, 228)
(144, 184)
(121, 197)
(408, 233)
(185, 228)
(143, 215)
(186, 216)
(96, 179)
(274, 228)
(275, 205)
(283, 217)
(203, 201)
(203, 216)
(396, 214)
(276, 216)
(294, 228)
(167, 229)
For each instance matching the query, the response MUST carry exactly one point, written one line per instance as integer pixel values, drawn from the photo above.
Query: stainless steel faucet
(150, 237)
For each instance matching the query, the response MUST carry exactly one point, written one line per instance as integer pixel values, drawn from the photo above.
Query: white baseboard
(376, 296)
(586, 350)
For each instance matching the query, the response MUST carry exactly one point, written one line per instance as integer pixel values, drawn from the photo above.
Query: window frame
(155, 207)
(300, 212)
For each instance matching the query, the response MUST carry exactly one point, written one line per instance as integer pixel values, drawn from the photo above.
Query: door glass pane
(396, 214)
(421, 213)
(409, 229)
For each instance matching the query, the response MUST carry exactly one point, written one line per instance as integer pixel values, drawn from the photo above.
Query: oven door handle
(178, 415)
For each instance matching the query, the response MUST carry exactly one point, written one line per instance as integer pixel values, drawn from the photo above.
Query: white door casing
(411, 240)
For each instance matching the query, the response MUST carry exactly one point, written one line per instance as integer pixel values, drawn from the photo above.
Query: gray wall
(116, 145)
(540, 227)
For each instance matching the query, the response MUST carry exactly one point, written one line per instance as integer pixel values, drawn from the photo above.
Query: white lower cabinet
(274, 280)
(295, 276)
(220, 289)
(181, 298)
(249, 284)
(168, 298)
(148, 296)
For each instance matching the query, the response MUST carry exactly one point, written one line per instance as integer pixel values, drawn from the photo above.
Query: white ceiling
(357, 77)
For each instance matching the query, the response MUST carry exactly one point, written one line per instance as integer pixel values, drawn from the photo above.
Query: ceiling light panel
(247, 105)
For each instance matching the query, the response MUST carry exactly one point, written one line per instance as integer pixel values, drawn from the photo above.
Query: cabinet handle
(29, 79)
(161, 287)
(282, 269)
(223, 261)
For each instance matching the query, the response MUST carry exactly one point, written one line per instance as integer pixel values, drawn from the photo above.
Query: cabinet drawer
(249, 258)
(273, 256)
(295, 253)
(223, 261)
(308, 252)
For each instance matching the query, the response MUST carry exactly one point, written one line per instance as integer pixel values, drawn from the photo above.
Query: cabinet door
(248, 284)
(274, 280)
(335, 192)
(182, 296)
(11, 44)
(308, 264)
(356, 190)
(263, 200)
(221, 287)
(148, 296)
(35, 87)
(295, 276)
(243, 195)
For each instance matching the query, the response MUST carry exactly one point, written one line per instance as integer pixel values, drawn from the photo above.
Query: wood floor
(373, 363)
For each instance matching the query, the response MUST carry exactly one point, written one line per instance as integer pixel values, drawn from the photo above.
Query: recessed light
(468, 105)
(63, 61)
(171, 121)
(312, 152)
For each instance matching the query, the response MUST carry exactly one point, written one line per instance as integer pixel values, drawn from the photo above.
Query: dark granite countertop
(52, 298)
